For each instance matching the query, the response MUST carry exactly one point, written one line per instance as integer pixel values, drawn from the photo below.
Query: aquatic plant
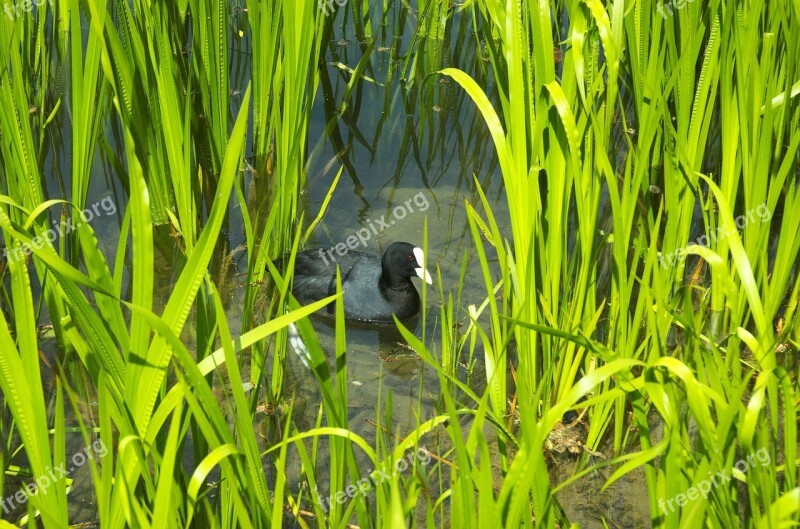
(623, 132)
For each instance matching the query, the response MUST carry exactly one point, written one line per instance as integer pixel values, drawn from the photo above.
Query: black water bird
(374, 288)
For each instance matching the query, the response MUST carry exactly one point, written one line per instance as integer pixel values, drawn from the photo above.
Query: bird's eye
(410, 257)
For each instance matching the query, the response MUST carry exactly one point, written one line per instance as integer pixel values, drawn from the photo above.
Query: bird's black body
(374, 288)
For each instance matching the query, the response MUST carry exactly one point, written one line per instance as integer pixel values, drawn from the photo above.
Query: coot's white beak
(421, 272)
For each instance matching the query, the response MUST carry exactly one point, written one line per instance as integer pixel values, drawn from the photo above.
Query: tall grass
(622, 136)
(181, 164)
(679, 76)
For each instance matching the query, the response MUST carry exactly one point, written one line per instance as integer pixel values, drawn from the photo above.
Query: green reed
(179, 161)
(614, 135)
(679, 82)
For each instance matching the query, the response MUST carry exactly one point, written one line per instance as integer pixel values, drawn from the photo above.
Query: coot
(373, 287)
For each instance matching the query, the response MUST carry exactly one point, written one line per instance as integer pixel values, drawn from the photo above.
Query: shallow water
(408, 160)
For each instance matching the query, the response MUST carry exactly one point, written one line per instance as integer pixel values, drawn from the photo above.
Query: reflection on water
(411, 148)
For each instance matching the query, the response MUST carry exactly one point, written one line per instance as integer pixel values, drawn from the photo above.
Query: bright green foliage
(620, 130)
(627, 117)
